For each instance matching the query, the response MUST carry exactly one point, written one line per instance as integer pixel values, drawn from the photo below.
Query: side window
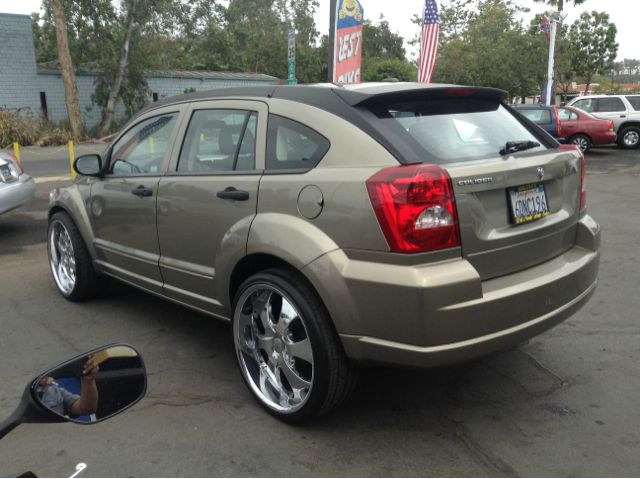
(142, 149)
(574, 116)
(219, 140)
(565, 114)
(635, 102)
(291, 145)
(539, 116)
(585, 105)
(610, 104)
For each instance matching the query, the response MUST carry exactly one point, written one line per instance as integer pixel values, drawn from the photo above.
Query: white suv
(623, 110)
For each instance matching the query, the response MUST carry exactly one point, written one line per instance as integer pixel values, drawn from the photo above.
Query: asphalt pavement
(54, 161)
(564, 404)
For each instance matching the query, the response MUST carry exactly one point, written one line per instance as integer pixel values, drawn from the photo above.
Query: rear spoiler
(416, 91)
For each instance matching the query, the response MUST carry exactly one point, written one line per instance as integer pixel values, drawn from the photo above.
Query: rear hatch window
(452, 130)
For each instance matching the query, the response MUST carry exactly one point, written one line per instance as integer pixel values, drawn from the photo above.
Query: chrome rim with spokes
(581, 142)
(273, 348)
(631, 138)
(61, 257)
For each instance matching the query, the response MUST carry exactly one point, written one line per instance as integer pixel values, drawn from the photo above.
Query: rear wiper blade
(514, 146)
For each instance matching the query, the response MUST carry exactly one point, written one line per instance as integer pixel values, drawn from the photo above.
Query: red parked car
(583, 129)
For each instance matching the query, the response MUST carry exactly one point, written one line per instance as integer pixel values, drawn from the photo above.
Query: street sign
(291, 58)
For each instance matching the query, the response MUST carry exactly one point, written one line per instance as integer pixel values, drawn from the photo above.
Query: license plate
(5, 173)
(528, 203)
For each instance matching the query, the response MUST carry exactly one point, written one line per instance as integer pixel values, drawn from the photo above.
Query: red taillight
(583, 189)
(610, 125)
(416, 208)
(555, 109)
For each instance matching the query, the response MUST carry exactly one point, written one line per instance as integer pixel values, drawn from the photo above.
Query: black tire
(629, 137)
(581, 141)
(334, 375)
(87, 280)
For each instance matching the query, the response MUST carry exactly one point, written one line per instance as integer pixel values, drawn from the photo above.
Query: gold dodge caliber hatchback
(396, 223)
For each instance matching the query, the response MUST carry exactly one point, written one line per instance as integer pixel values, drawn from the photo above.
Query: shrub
(14, 128)
(54, 136)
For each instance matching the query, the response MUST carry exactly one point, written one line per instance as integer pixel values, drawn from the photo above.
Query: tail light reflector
(555, 110)
(583, 188)
(415, 207)
(610, 125)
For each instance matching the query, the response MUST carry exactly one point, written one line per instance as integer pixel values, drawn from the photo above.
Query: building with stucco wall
(38, 91)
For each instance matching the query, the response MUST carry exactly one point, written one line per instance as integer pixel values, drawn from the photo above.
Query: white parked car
(16, 187)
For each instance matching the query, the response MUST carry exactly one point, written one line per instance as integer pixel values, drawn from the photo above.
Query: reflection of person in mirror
(59, 400)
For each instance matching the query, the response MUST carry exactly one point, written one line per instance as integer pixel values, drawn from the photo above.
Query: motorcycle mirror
(86, 389)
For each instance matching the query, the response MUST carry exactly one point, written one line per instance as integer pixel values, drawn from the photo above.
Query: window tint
(610, 104)
(585, 105)
(540, 116)
(211, 142)
(291, 145)
(453, 129)
(142, 149)
(635, 102)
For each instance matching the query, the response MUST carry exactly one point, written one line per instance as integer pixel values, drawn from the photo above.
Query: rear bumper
(604, 138)
(15, 194)
(442, 313)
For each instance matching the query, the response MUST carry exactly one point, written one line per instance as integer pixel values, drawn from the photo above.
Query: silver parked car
(16, 187)
(392, 223)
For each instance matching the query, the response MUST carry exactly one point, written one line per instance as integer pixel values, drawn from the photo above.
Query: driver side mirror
(86, 389)
(88, 165)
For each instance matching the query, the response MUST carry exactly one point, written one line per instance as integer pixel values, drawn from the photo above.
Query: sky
(624, 13)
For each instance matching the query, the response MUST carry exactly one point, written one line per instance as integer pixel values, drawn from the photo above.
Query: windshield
(456, 129)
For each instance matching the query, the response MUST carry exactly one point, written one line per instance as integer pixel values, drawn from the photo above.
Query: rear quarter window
(610, 104)
(292, 145)
(635, 102)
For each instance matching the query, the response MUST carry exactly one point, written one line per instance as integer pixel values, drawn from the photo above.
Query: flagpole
(552, 47)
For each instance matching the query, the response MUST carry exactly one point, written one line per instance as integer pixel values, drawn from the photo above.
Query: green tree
(380, 42)
(384, 68)
(559, 4)
(494, 50)
(592, 44)
(455, 17)
(299, 15)
(383, 54)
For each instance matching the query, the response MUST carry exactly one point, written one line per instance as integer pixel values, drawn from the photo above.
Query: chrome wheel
(581, 142)
(631, 138)
(273, 348)
(61, 257)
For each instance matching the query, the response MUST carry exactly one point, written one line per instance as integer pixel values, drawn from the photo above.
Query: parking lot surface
(564, 404)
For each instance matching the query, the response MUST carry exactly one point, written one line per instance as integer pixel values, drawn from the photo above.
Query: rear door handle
(230, 193)
(141, 191)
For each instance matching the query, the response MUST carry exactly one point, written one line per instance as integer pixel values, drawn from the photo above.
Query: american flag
(429, 43)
